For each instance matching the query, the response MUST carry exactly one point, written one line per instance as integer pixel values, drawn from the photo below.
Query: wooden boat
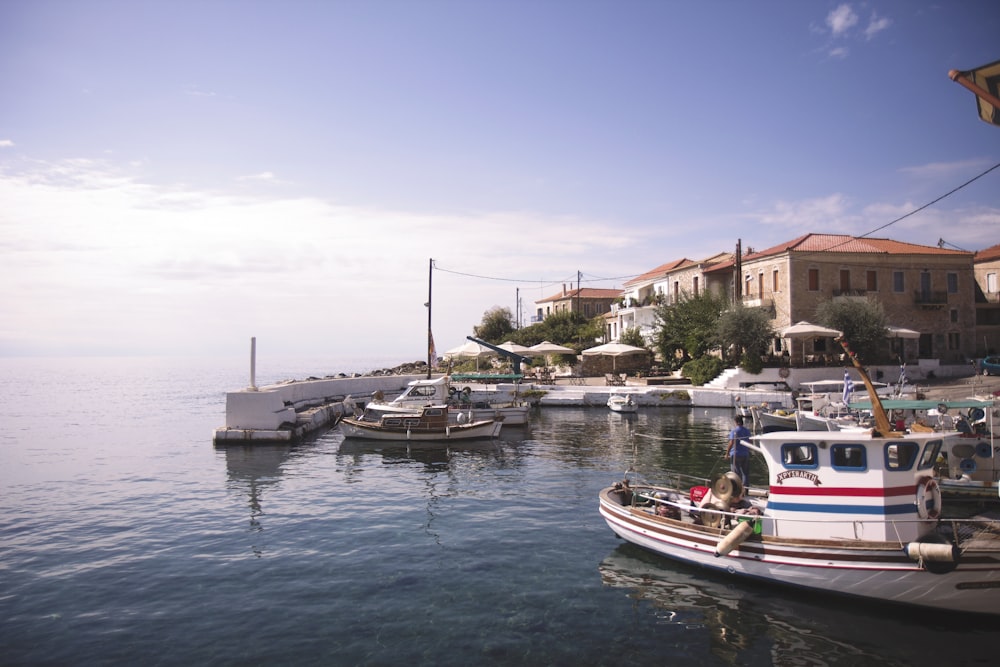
(426, 423)
(766, 420)
(855, 513)
(502, 404)
(623, 403)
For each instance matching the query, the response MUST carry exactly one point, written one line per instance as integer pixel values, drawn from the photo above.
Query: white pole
(253, 363)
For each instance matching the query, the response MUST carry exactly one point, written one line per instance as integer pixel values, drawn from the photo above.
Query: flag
(985, 83)
(431, 351)
(848, 388)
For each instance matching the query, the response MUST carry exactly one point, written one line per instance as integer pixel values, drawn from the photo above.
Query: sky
(178, 177)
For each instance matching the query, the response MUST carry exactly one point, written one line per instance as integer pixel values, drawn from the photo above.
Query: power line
(536, 281)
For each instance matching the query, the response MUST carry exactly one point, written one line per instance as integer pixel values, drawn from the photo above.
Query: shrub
(703, 369)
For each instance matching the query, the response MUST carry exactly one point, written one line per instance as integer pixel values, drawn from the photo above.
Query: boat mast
(878, 410)
(430, 335)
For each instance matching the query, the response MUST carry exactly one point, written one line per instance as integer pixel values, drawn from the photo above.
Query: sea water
(127, 537)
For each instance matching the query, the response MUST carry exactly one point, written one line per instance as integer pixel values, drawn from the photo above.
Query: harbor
(295, 409)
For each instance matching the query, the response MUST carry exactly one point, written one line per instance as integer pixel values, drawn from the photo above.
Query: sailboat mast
(430, 335)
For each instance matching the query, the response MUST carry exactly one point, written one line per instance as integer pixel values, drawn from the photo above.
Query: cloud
(876, 25)
(6, 143)
(841, 20)
(126, 264)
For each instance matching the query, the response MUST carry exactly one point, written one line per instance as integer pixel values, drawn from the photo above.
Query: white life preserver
(928, 498)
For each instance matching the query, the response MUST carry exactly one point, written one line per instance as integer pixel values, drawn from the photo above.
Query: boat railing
(965, 532)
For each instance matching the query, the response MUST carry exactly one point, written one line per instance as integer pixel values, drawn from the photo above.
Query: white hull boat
(622, 403)
(501, 403)
(856, 513)
(426, 424)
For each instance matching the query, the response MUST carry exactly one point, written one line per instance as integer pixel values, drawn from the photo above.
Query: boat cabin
(882, 487)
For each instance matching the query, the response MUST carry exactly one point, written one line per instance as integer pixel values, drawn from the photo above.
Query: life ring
(928, 499)
(783, 372)
(984, 450)
(466, 393)
(452, 391)
(975, 414)
(968, 466)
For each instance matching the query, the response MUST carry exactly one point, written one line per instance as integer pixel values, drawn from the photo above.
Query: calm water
(126, 536)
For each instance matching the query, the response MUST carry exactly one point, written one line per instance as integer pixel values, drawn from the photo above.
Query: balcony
(930, 300)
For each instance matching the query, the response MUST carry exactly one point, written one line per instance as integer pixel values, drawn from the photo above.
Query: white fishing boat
(856, 513)
(623, 403)
(425, 423)
(500, 403)
(766, 419)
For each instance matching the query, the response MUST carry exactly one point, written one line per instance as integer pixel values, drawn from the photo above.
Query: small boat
(622, 403)
(500, 403)
(855, 513)
(425, 423)
(766, 420)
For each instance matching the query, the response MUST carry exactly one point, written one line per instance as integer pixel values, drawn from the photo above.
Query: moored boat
(500, 403)
(425, 423)
(623, 403)
(857, 513)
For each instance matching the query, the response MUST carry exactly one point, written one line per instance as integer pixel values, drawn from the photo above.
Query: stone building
(986, 266)
(928, 289)
(588, 301)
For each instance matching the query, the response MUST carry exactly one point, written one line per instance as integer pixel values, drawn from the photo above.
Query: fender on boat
(736, 537)
(933, 553)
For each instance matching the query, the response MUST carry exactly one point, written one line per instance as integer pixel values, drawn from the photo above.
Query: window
(954, 315)
(774, 281)
(900, 455)
(991, 283)
(931, 450)
(694, 284)
(760, 286)
(813, 280)
(799, 455)
(898, 284)
(845, 281)
(849, 457)
(871, 281)
(952, 283)
(954, 339)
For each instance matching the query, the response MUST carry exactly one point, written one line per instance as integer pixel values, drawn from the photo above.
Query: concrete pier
(290, 411)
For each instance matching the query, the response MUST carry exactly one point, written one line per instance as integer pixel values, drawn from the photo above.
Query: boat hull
(352, 428)
(875, 570)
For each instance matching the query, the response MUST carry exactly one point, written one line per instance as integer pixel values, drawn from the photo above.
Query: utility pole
(578, 276)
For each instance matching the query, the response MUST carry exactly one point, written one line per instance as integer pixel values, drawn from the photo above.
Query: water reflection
(252, 469)
(747, 619)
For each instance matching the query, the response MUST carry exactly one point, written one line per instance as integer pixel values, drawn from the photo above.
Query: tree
(563, 328)
(632, 336)
(746, 333)
(863, 322)
(497, 324)
(687, 329)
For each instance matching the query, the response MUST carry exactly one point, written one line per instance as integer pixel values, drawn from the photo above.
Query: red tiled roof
(845, 243)
(659, 271)
(988, 255)
(584, 293)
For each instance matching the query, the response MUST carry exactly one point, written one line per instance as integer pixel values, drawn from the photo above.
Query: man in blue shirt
(738, 453)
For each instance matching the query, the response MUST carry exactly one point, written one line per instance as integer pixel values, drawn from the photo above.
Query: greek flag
(848, 388)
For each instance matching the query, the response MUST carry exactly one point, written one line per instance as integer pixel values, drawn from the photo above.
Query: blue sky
(177, 177)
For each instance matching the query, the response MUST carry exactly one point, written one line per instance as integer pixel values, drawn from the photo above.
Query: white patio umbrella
(614, 350)
(900, 332)
(511, 346)
(470, 350)
(803, 330)
(545, 348)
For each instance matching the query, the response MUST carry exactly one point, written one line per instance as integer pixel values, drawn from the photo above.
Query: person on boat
(738, 453)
